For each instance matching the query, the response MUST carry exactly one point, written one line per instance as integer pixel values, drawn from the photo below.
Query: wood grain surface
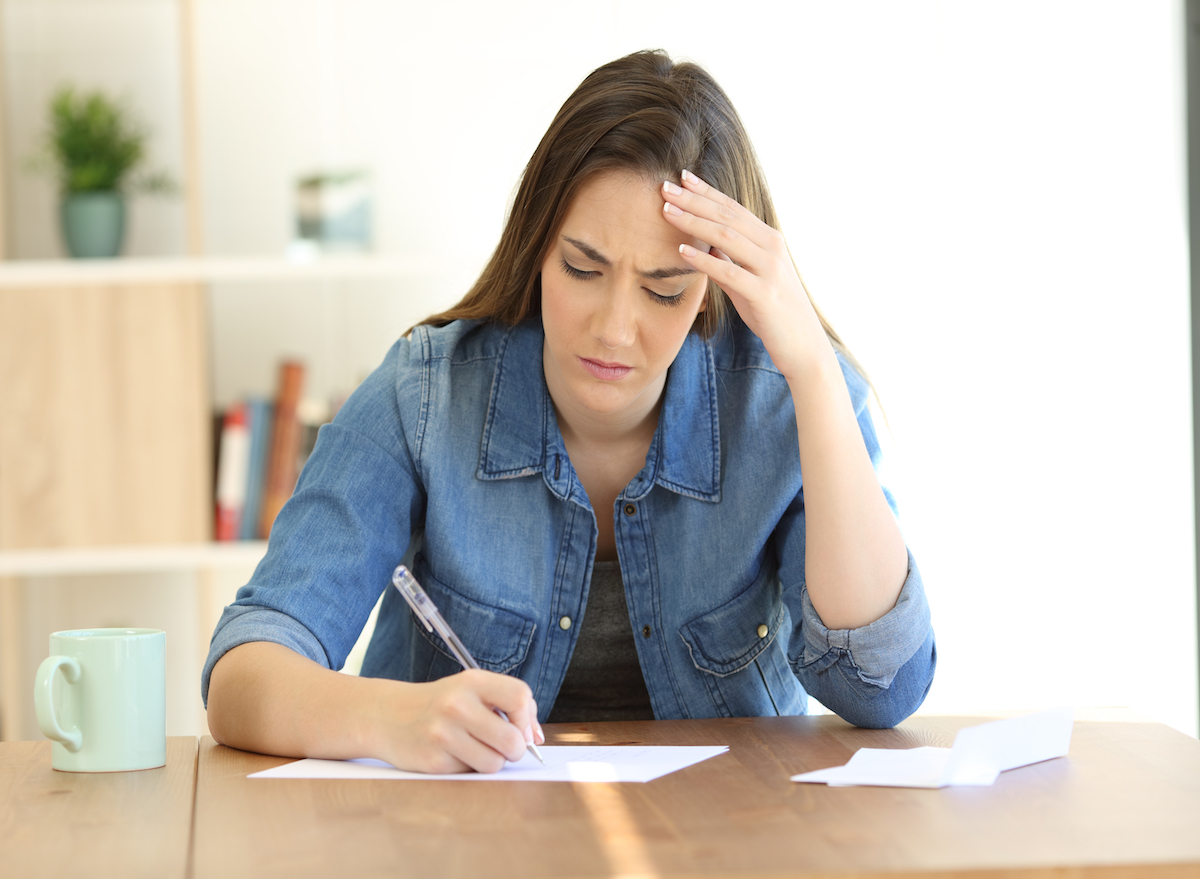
(95, 825)
(1125, 802)
(105, 437)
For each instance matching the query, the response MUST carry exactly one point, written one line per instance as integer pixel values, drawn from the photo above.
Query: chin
(604, 400)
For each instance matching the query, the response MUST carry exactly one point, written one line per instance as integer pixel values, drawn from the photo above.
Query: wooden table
(1126, 802)
(95, 825)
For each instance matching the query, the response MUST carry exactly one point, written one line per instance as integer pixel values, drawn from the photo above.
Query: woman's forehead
(618, 216)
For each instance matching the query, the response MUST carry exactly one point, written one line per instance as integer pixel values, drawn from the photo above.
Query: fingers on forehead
(725, 207)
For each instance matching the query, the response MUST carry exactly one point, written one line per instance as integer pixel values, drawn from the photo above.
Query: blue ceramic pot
(93, 224)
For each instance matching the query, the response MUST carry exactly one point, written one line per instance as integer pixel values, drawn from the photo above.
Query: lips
(605, 371)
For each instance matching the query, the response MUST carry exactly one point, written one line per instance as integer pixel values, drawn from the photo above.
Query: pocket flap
(729, 638)
(497, 639)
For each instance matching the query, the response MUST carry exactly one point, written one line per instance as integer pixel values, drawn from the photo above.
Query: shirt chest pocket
(498, 639)
(735, 649)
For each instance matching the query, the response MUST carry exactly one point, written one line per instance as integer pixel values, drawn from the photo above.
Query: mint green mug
(107, 710)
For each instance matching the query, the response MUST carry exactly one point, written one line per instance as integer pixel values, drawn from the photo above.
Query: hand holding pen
(428, 614)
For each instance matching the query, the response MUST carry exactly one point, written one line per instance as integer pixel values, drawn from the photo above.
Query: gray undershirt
(604, 679)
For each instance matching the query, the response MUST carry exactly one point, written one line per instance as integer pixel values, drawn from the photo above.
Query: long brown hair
(642, 113)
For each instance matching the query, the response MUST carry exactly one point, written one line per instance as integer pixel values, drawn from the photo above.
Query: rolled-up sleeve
(877, 674)
(877, 650)
(241, 624)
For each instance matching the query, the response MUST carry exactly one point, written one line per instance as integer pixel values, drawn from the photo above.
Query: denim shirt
(449, 456)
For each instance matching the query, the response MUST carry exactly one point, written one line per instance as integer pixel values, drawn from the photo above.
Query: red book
(233, 463)
(281, 470)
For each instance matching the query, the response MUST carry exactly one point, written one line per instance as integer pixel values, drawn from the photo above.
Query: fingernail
(529, 735)
(687, 250)
(689, 176)
(672, 188)
(669, 208)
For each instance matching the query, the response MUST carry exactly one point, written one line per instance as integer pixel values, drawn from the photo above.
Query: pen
(406, 584)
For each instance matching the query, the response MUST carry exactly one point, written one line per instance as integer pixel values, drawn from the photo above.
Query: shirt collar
(685, 455)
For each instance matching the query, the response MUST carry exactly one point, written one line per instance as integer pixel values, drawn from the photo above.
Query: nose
(613, 322)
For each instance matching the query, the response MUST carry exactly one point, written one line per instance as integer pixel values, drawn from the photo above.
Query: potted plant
(96, 148)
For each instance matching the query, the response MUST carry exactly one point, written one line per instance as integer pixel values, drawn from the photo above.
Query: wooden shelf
(26, 274)
(130, 559)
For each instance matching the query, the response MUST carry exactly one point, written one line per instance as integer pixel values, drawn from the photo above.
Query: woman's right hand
(264, 697)
(450, 725)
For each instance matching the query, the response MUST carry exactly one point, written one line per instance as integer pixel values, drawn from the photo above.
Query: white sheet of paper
(979, 755)
(563, 763)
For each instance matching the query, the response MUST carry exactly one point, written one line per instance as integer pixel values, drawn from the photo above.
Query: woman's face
(617, 301)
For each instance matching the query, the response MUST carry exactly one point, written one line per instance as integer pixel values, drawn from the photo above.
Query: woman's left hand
(749, 261)
(855, 562)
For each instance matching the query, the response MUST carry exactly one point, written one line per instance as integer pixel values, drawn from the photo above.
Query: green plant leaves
(96, 144)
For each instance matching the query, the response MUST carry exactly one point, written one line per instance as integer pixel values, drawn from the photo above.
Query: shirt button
(645, 631)
(630, 509)
(762, 631)
(564, 623)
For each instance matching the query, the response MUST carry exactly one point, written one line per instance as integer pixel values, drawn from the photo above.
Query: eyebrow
(654, 274)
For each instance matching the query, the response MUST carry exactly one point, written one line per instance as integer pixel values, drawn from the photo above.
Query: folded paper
(979, 755)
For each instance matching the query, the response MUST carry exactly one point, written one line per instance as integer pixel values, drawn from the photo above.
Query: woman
(633, 468)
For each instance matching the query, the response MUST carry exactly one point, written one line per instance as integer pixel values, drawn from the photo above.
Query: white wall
(988, 200)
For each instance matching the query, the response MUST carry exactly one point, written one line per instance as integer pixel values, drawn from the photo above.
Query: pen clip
(427, 613)
(407, 586)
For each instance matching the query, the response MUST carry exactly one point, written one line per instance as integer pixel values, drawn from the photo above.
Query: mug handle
(44, 704)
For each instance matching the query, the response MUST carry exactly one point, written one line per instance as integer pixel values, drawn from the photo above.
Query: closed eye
(581, 275)
(669, 301)
(578, 274)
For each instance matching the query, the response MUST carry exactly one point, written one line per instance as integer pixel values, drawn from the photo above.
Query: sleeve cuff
(241, 625)
(878, 649)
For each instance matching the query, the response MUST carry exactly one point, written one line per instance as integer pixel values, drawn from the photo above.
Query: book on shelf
(261, 447)
(232, 468)
(260, 417)
(282, 464)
